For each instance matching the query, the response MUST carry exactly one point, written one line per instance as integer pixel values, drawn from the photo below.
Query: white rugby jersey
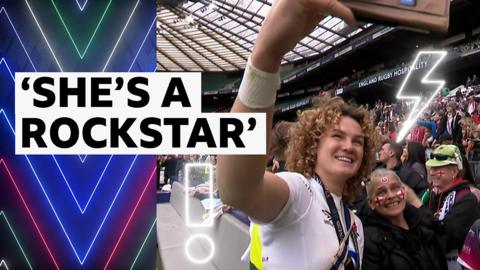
(302, 236)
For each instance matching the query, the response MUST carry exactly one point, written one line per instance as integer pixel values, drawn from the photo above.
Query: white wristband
(258, 88)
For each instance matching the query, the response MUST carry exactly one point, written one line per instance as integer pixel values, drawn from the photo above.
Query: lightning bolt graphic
(422, 98)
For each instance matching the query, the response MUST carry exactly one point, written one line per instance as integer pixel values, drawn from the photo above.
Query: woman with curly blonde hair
(312, 124)
(299, 219)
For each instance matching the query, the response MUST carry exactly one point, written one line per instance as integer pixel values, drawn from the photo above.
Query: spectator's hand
(288, 22)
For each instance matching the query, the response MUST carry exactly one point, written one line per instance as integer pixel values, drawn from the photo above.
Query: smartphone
(431, 15)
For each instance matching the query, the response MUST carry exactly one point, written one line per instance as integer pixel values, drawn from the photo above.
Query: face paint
(401, 193)
(379, 200)
(440, 173)
(384, 179)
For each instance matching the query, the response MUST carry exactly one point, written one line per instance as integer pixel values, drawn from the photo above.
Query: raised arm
(242, 180)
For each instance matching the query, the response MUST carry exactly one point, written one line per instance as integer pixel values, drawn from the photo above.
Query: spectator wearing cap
(450, 199)
(390, 155)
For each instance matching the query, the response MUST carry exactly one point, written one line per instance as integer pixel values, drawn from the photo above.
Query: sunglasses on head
(441, 157)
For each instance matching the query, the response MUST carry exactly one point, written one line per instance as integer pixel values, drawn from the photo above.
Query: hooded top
(457, 209)
(388, 246)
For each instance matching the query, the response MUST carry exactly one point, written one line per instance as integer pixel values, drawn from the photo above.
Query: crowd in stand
(429, 178)
(468, 47)
(440, 147)
(414, 202)
(453, 118)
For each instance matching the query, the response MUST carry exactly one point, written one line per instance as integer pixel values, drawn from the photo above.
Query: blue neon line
(43, 189)
(84, 158)
(51, 204)
(114, 199)
(84, 208)
(2, 60)
(141, 46)
(53, 208)
(28, 56)
(18, 36)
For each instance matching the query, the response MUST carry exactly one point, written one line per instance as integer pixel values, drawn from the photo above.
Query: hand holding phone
(432, 15)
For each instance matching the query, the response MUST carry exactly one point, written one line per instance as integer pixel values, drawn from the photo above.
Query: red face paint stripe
(379, 200)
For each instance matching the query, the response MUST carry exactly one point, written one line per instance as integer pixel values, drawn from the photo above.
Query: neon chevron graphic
(51, 49)
(3, 263)
(2, 162)
(130, 218)
(80, 6)
(3, 10)
(2, 213)
(143, 244)
(120, 37)
(80, 54)
(424, 98)
(143, 42)
(3, 61)
(82, 208)
(84, 200)
(80, 259)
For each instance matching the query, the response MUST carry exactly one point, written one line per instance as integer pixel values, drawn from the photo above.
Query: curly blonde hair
(301, 154)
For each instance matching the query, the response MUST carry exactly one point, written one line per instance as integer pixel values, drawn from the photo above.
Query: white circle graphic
(190, 241)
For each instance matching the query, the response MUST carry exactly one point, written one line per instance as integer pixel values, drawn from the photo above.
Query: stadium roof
(218, 35)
